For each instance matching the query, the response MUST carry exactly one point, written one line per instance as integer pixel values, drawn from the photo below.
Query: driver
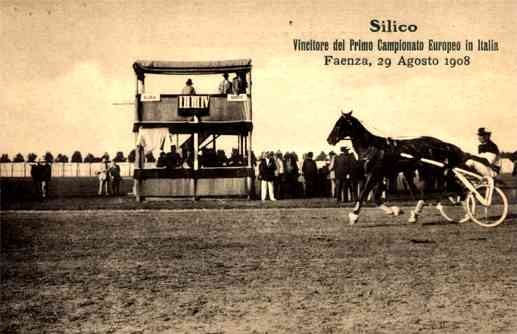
(487, 163)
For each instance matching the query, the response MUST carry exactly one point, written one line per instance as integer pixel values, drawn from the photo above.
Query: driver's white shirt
(491, 157)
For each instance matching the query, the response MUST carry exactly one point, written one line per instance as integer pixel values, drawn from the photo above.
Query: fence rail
(62, 169)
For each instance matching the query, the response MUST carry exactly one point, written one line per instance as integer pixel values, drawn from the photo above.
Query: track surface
(276, 270)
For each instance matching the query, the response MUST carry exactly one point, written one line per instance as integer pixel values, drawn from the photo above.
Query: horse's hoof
(352, 218)
(419, 206)
(412, 218)
(395, 210)
(387, 210)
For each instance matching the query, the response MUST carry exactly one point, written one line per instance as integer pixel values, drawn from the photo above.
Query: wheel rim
(453, 213)
(491, 215)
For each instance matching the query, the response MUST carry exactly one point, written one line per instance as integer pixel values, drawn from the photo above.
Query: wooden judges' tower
(199, 120)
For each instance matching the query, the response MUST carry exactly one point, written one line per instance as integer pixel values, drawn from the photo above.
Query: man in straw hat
(225, 87)
(487, 163)
(104, 178)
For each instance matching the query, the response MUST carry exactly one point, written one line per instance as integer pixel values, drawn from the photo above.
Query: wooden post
(137, 183)
(251, 179)
(140, 89)
(196, 161)
(250, 149)
(246, 149)
(196, 139)
(249, 93)
(250, 135)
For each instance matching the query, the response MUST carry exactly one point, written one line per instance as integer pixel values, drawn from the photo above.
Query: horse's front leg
(365, 190)
(353, 216)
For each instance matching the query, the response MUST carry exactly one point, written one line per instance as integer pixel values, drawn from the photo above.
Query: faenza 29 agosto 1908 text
(399, 52)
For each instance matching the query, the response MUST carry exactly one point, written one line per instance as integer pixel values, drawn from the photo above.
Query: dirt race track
(276, 270)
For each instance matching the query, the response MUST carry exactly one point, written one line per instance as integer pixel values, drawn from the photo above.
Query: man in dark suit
(357, 177)
(343, 165)
(488, 160)
(239, 83)
(172, 159)
(267, 169)
(46, 176)
(37, 177)
(310, 174)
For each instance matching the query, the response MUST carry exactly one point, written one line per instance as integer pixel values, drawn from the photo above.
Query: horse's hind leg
(413, 216)
(377, 195)
(408, 176)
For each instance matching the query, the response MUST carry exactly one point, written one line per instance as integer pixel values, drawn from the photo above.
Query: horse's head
(345, 127)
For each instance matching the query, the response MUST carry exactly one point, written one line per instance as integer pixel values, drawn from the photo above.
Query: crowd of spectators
(280, 175)
(208, 157)
(337, 176)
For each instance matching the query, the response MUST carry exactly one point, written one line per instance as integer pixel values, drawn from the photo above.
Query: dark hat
(189, 82)
(483, 132)
(225, 75)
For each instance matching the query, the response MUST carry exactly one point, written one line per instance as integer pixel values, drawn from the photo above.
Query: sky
(67, 66)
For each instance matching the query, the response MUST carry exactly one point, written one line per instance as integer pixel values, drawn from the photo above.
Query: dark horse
(381, 157)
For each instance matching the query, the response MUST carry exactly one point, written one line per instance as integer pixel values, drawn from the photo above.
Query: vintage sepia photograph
(213, 167)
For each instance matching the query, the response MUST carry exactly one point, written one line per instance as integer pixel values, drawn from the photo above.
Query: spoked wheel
(488, 215)
(453, 212)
